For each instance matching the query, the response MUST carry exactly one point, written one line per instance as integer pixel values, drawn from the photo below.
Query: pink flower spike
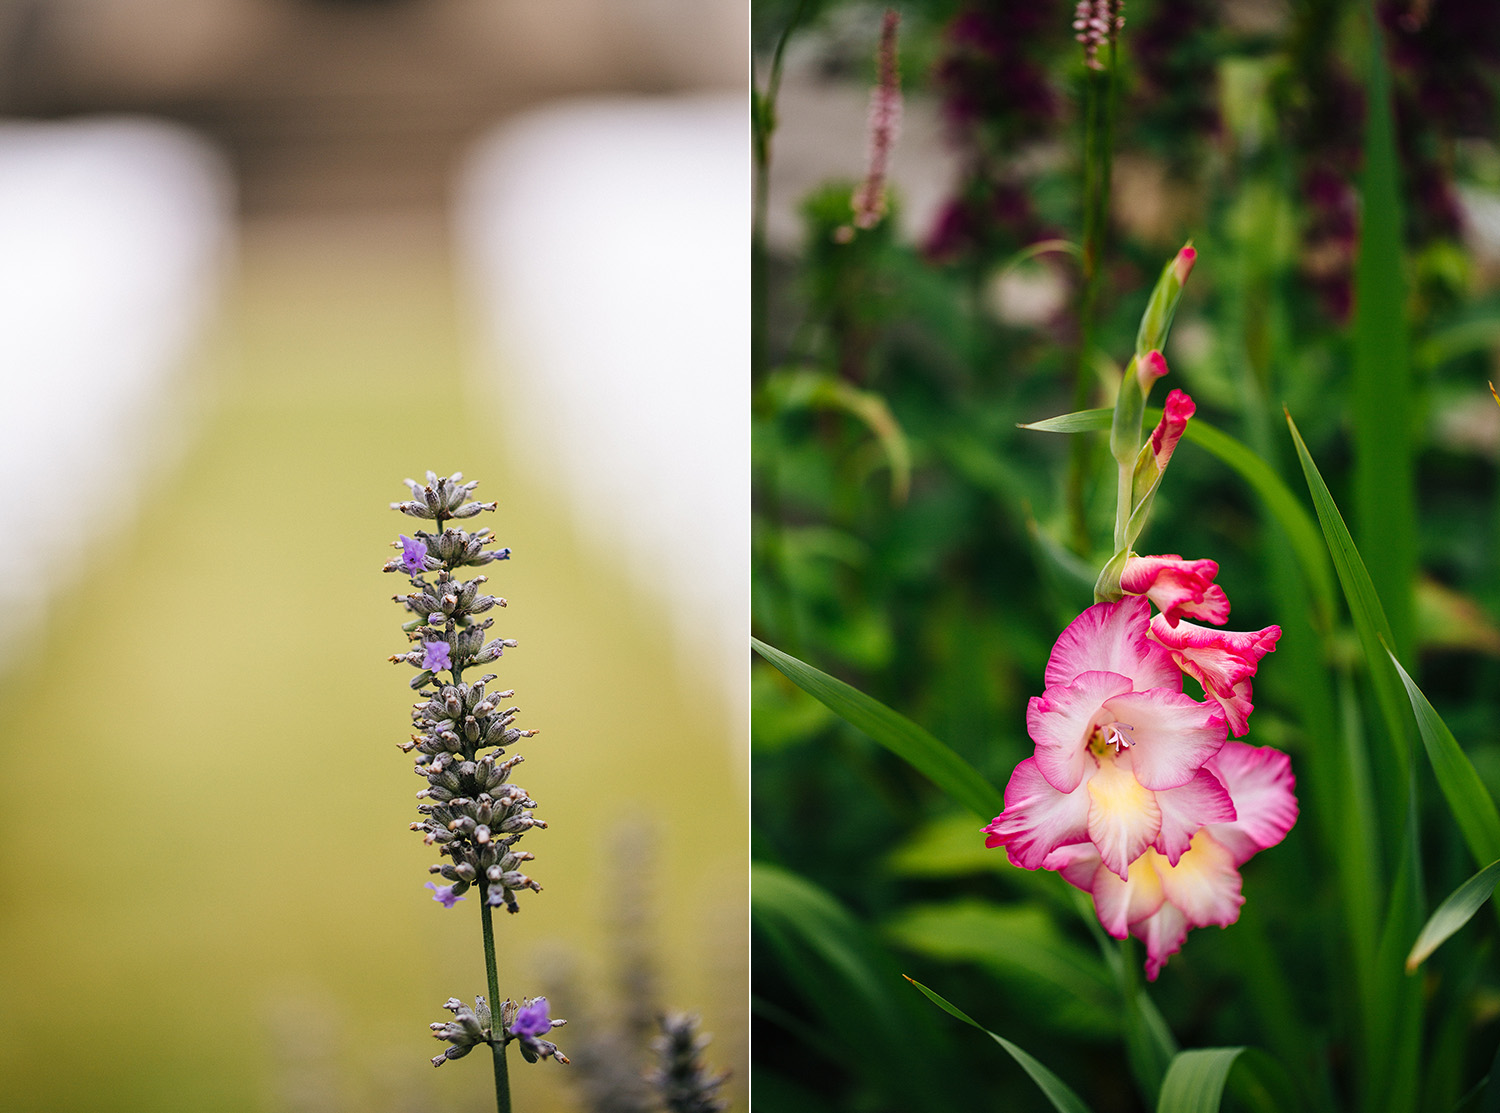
(1179, 407)
(1182, 266)
(1179, 588)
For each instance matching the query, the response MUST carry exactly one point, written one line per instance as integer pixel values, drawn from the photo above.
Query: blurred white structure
(608, 245)
(115, 233)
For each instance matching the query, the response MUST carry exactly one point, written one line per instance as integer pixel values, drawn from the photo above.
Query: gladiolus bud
(1156, 322)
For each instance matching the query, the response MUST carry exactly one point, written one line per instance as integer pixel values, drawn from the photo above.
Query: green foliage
(932, 618)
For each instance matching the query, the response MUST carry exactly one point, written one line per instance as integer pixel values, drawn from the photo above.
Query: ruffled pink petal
(1121, 902)
(1076, 862)
(1163, 933)
(1260, 783)
(1037, 818)
(1123, 818)
(1201, 801)
(1113, 637)
(1062, 719)
(1172, 734)
(1204, 883)
(1178, 587)
(1220, 659)
(1236, 706)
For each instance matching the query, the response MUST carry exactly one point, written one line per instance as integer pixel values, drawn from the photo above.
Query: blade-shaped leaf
(944, 768)
(1364, 605)
(1453, 913)
(1381, 405)
(1063, 1099)
(1470, 802)
(1195, 1080)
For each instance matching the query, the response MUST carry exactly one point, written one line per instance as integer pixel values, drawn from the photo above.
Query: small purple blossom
(435, 656)
(443, 894)
(532, 1020)
(413, 555)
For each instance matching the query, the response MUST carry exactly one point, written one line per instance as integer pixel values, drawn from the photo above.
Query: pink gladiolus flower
(1179, 407)
(1178, 587)
(1223, 661)
(1119, 749)
(1161, 899)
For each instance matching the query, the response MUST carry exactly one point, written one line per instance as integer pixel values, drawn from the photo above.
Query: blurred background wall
(264, 259)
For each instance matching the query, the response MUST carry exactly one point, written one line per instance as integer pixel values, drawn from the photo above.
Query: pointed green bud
(1156, 322)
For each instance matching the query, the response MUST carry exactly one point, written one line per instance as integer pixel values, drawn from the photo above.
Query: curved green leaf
(848, 983)
(944, 768)
(1063, 1099)
(1364, 604)
(1195, 1080)
(1470, 802)
(1453, 914)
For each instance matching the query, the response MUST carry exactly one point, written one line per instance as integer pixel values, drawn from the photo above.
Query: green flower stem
(1098, 157)
(497, 1044)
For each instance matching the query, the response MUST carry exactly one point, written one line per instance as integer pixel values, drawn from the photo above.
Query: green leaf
(1196, 1081)
(1453, 914)
(795, 387)
(848, 983)
(939, 764)
(1384, 488)
(1470, 802)
(1063, 1099)
(1364, 607)
(1021, 946)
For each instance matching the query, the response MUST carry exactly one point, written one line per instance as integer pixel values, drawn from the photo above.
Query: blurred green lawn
(212, 900)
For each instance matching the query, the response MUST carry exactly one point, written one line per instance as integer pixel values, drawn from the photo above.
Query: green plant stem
(497, 1044)
(1098, 151)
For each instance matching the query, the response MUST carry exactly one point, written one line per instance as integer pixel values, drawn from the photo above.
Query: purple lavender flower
(413, 555)
(443, 894)
(532, 1020)
(435, 656)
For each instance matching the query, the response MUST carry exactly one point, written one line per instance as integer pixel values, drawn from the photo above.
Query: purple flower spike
(413, 555)
(436, 656)
(444, 895)
(532, 1020)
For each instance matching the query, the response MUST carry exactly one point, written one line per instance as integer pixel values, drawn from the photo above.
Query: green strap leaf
(1453, 914)
(1195, 1080)
(1381, 403)
(935, 761)
(1063, 1099)
(1470, 802)
(1364, 605)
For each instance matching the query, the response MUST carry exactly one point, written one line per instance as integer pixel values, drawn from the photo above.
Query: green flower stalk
(470, 809)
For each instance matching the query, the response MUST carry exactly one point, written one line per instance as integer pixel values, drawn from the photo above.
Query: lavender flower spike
(471, 812)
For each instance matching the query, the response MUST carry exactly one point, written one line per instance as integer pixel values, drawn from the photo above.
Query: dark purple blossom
(532, 1020)
(435, 656)
(413, 555)
(444, 894)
